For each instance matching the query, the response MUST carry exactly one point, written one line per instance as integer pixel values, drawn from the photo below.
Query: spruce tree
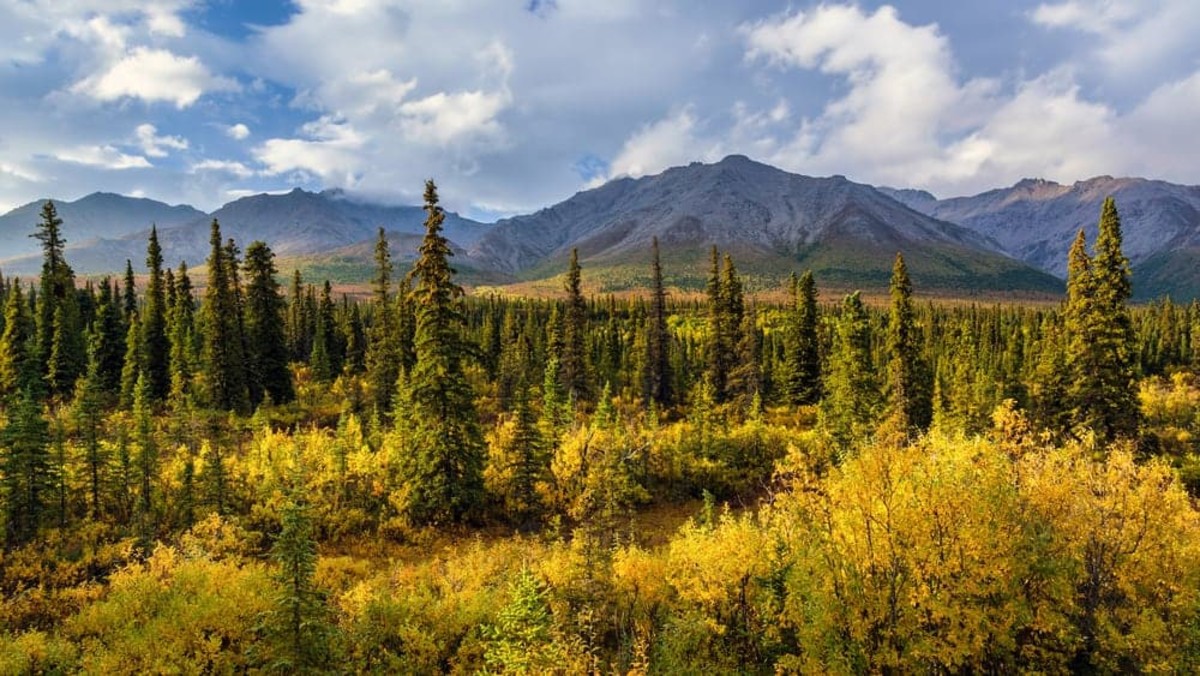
(156, 348)
(802, 347)
(852, 400)
(442, 452)
(107, 346)
(133, 364)
(382, 358)
(129, 302)
(184, 349)
(26, 470)
(531, 464)
(297, 623)
(717, 350)
(656, 375)
(267, 356)
(575, 326)
(223, 357)
(61, 352)
(88, 411)
(1100, 340)
(908, 396)
(18, 361)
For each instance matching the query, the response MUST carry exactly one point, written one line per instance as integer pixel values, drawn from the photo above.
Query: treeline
(164, 432)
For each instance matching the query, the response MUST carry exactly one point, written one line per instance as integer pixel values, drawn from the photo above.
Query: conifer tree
(531, 464)
(356, 338)
(442, 446)
(184, 350)
(88, 411)
(656, 378)
(746, 379)
(129, 303)
(134, 363)
(852, 400)
(802, 356)
(575, 325)
(61, 352)
(382, 358)
(107, 346)
(1100, 354)
(908, 396)
(18, 366)
(156, 348)
(26, 470)
(223, 357)
(297, 329)
(267, 350)
(716, 349)
(147, 455)
(1050, 403)
(297, 622)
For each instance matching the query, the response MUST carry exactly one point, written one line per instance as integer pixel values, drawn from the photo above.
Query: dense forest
(243, 478)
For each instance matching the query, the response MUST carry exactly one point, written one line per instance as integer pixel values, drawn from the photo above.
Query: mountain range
(773, 222)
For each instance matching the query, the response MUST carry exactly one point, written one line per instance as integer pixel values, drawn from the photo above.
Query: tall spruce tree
(656, 376)
(1100, 341)
(852, 400)
(26, 470)
(717, 350)
(267, 356)
(184, 348)
(575, 327)
(61, 351)
(909, 397)
(442, 450)
(224, 367)
(107, 341)
(802, 344)
(18, 358)
(382, 358)
(156, 348)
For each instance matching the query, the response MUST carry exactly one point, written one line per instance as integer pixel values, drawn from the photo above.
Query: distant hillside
(298, 223)
(98, 215)
(1036, 220)
(773, 222)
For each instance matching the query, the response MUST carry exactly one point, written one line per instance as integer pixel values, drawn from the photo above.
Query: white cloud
(231, 167)
(153, 145)
(104, 157)
(238, 132)
(670, 141)
(154, 75)
(1130, 39)
(332, 151)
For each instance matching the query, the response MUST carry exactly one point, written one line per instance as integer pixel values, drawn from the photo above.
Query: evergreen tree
(656, 378)
(1050, 403)
(147, 456)
(184, 349)
(267, 350)
(1101, 354)
(382, 358)
(26, 470)
(746, 379)
(716, 349)
(909, 397)
(61, 351)
(129, 303)
(88, 411)
(531, 465)
(107, 345)
(356, 338)
(224, 367)
(852, 400)
(18, 362)
(156, 348)
(442, 456)
(575, 326)
(802, 355)
(134, 363)
(297, 622)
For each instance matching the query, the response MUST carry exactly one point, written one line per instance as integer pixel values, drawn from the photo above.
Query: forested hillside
(268, 476)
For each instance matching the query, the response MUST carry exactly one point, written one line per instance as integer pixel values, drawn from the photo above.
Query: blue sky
(514, 105)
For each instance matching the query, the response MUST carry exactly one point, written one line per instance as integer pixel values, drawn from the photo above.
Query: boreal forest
(239, 470)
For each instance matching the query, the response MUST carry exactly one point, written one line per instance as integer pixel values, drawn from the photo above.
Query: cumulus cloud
(104, 157)
(153, 145)
(237, 132)
(231, 167)
(154, 75)
(656, 146)
(1128, 38)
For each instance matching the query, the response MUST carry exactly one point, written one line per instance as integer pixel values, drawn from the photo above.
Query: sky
(513, 105)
